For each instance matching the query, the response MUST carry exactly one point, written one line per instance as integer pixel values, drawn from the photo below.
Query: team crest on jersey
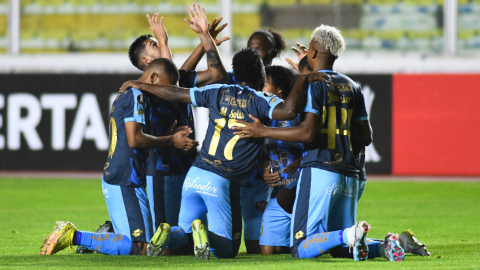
(284, 123)
(273, 100)
(237, 236)
(141, 99)
(299, 235)
(137, 233)
(338, 157)
(140, 112)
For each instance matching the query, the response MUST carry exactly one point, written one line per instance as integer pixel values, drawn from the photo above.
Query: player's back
(339, 104)
(125, 165)
(223, 152)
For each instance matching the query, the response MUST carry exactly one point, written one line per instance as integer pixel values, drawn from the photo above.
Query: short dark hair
(281, 78)
(278, 42)
(137, 47)
(167, 66)
(303, 64)
(247, 66)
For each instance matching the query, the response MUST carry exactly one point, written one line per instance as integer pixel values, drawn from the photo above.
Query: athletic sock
(106, 243)
(320, 243)
(178, 238)
(343, 251)
(220, 246)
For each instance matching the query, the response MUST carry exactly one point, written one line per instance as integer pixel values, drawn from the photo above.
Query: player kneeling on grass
(123, 180)
(213, 183)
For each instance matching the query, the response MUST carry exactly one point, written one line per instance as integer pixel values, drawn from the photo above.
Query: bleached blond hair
(330, 38)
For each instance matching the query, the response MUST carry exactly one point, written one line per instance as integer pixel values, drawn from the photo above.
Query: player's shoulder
(342, 78)
(132, 96)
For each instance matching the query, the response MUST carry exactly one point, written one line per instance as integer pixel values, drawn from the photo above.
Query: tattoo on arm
(213, 59)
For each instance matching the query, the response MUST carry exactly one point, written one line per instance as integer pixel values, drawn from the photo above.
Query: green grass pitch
(444, 215)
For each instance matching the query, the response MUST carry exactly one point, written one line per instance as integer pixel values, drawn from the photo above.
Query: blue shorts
(164, 195)
(275, 227)
(129, 211)
(253, 202)
(325, 202)
(203, 192)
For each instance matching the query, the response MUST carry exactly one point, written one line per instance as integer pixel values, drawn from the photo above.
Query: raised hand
(198, 19)
(174, 129)
(300, 54)
(157, 28)
(318, 76)
(214, 32)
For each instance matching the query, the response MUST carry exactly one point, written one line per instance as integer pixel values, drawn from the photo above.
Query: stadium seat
(49, 2)
(383, 2)
(281, 3)
(352, 2)
(3, 25)
(82, 2)
(245, 24)
(315, 2)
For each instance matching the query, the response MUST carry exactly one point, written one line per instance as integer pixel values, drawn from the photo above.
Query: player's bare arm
(270, 178)
(293, 166)
(198, 23)
(138, 139)
(289, 109)
(305, 132)
(193, 60)
(366, 133)
(166, 92)
(160, 33)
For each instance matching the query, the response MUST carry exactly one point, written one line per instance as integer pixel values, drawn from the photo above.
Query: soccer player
(123, 181)
(279, 171)
(213, 183)
(327, 191)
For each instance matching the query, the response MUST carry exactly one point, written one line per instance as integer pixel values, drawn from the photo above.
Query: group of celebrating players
(287, 155)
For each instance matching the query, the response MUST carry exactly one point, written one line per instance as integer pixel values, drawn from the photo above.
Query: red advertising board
(436, 124)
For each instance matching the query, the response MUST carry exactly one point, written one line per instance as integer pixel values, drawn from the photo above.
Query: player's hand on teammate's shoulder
(300, 54)
(181, 141)
(317, 76)
(248, 129)
(214, 31)
(127, 85)
(198, 19)
(158, 29)
(270, 178)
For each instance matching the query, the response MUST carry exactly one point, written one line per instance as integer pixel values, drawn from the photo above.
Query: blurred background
(418, 61)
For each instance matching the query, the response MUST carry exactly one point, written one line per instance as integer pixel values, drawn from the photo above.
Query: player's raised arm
(198, 23)
(167, 92)
(292, 106)
(160, 33)
(193, 60)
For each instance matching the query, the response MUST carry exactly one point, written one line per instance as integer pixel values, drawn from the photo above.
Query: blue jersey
(338, 104)
(125, 165)
(161, 115)
(229, 79)
(222, 152)
(284, 153)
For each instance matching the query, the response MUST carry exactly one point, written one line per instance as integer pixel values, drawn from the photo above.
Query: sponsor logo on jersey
(299, 235)
(342, 189)
(206, 189)
(137, 233)
(261, 205)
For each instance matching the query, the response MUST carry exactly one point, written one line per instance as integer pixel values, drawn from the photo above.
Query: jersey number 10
(220, 124)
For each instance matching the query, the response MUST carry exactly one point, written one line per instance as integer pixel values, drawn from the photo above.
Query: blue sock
(220, 246)
(106, 243)
(320, 243)
(178, 238)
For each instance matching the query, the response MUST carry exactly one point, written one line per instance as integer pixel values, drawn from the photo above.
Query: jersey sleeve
(187, 79)
(312, 105)
(267, 103)
(134, 104)
(228, 79)
(361, 113)
(204, 96)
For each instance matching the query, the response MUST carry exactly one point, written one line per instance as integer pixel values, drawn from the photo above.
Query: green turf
(443, 215)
